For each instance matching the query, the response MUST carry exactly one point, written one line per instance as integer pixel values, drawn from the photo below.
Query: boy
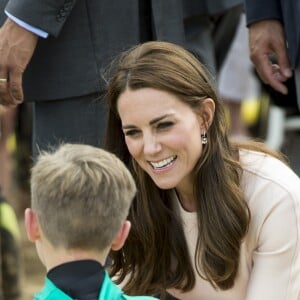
(80, 200)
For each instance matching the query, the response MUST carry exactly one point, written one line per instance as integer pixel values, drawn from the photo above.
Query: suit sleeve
(47, 15)
(258, 10)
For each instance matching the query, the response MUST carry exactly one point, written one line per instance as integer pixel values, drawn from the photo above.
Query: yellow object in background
(254, 108)
(250, 110)
(8, 220)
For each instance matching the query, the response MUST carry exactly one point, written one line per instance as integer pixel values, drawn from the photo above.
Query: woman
(212, 219)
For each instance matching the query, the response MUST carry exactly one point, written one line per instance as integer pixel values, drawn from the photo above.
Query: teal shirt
(109, 291)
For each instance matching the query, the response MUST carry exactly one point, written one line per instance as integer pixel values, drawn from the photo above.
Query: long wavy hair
(155, 256)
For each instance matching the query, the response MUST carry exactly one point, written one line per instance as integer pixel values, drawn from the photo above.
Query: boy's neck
(57, 256)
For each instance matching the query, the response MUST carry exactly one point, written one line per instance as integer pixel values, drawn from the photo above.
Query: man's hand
(266, 38)
(17, 46)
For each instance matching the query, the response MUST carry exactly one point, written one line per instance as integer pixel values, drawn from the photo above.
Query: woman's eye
(163, 125)
(131, 132)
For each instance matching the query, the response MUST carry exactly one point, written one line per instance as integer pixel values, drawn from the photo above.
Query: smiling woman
(211, 216)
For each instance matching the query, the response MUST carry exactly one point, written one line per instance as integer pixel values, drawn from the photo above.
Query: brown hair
(156, 254)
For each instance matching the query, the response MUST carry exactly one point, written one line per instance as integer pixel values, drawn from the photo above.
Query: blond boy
(80, 201)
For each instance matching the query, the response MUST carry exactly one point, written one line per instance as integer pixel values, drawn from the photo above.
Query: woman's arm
(276, 260)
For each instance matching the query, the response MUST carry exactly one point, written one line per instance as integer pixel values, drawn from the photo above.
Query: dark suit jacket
(84, 36)
(207, 7)
(287, 11)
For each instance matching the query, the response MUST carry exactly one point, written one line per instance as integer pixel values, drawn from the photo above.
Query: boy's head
(81, 196)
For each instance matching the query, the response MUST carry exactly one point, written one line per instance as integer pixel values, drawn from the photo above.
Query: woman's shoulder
(267, 182)
(261, 167)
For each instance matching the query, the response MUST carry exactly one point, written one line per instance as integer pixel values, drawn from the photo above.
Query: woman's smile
(159, 165)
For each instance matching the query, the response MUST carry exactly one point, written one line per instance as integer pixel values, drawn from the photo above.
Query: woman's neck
(187, 200)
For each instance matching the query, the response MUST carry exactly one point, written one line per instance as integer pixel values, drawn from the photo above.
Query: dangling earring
(204, 138)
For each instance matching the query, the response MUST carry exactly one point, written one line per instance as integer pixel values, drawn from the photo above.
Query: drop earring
(204, 138)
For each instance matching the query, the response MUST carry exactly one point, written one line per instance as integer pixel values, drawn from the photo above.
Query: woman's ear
(121, 236)
(206, 113)
(32, 225)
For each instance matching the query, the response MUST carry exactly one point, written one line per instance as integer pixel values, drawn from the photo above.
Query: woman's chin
(164, 185)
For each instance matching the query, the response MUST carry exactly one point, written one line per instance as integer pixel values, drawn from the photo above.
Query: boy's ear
(32, 225)
(121, 236)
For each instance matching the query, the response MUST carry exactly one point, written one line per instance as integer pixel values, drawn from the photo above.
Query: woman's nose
(151, 144)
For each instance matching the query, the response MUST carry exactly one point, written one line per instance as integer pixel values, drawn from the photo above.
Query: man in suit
(274, 39)
(54, 53)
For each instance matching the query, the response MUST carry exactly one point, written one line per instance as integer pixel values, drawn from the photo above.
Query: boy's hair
(81, 195)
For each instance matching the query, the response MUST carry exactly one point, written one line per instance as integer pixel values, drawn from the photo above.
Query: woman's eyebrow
(155, 120)
(128, 126)
(159, 119)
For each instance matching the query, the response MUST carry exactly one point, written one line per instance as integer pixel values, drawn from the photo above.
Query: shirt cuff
(28, 27)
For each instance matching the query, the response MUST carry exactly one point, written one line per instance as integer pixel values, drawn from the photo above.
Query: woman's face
(163, 135)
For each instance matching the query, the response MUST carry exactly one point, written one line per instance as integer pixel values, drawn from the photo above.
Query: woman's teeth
(163, 163)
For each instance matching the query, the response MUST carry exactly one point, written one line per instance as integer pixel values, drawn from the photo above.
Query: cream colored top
(270, 256)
